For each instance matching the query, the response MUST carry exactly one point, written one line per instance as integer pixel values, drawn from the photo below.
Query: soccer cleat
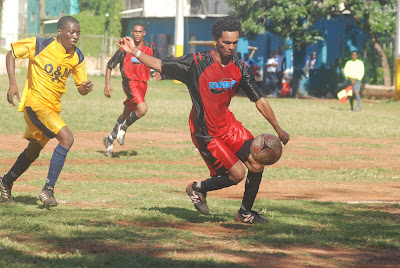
(109, 146)
(47, 196)
(250, 216)
(5, 191)
(198, 199)
(121, 135)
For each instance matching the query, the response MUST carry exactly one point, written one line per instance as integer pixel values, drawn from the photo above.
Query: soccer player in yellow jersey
(51, 61)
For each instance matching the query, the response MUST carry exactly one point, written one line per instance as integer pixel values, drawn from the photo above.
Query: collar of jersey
(59, 47)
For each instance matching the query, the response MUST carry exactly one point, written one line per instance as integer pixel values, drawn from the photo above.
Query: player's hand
(108, 91)
(13, 91)
(157, 76)
(127, 44)
(283, 136)
(85, 88)
(88, 86)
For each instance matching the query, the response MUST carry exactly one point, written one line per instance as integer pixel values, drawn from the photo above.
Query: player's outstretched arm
(266, 110)
(127, 44)
(107, 87)
(85, 88)
(13, 88)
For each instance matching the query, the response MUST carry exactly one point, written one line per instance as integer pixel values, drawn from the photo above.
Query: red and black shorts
(222, 152)
(135, 93)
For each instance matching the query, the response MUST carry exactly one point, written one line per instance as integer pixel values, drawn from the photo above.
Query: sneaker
(198, 199)
(109, 146)
(358, 109)
(121, 135)
(250, 216)
(5, 191)
(47, 196)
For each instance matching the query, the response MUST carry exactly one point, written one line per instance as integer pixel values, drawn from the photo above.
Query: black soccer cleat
(198, 199)
(250, 216)
(5, 191)
(47, 197)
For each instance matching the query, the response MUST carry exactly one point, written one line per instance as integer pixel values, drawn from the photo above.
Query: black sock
(214, 183)
(253, 181)
(351, 102)
(19, 167)
(113, 133)
(130, 120)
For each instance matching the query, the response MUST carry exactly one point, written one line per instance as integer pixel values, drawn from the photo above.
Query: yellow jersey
(354, 69)
(49, 67)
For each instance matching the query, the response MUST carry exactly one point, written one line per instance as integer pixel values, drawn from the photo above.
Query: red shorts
(135, 94)
(222, 152)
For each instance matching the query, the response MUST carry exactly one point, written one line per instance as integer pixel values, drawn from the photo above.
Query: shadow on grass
(26, 199)
(188, 215)
(120, 153)
(116, 259)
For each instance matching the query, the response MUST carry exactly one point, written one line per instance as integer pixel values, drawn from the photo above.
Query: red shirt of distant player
(215, 131)
(134, 73)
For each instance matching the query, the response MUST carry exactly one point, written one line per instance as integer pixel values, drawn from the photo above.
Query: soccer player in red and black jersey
(134, 83)
(212, 78)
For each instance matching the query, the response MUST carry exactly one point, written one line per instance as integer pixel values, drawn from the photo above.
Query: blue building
(45, 14)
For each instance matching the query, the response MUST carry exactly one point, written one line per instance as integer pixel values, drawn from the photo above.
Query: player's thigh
(218, 157)
(43, 124)
(135, 94)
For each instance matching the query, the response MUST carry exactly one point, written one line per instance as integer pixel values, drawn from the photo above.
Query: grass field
(333, 200)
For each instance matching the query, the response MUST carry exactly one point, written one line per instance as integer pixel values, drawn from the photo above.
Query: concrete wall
(13, 21)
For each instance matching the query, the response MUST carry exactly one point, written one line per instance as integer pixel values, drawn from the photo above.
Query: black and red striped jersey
(211, 87)
(131, 68)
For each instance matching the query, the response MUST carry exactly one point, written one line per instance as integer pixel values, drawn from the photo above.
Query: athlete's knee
(253, 166)
(32, 152)
(237, 174)
(141, 110)
(65, 138)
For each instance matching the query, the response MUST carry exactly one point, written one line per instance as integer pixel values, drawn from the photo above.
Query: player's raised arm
(127, 44)
(13, 89)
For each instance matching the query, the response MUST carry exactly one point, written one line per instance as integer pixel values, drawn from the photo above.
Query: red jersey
(131, 68)
(211, 87)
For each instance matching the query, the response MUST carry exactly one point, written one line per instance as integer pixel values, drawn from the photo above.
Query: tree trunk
(387, 77)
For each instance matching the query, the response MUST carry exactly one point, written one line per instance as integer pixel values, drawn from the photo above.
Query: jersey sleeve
(24, 48)
(248, 83)
(178, 68)
(115, 59)
(80, 74)
(155, 52)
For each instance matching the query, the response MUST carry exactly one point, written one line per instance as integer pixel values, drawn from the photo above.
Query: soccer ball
(266, 149)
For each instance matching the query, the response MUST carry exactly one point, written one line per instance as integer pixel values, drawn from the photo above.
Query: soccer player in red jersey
(51, 61)
(134, 83)
(212, 78)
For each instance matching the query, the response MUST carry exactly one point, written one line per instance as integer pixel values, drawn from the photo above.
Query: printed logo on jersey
(57, 73)
(221, 86)
(135, 60)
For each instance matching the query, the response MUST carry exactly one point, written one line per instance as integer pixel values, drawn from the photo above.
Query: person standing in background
(354, 71)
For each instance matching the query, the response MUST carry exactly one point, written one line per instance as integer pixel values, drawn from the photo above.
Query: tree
(294, 19)
(108, 10)
(377, 18)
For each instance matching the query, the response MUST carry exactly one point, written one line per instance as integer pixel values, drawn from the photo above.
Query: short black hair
(137, 24)
(225, 24)
(62, 22)
(354, 51)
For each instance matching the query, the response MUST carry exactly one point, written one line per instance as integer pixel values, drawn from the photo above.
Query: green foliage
(282, 17)
(108, 11)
